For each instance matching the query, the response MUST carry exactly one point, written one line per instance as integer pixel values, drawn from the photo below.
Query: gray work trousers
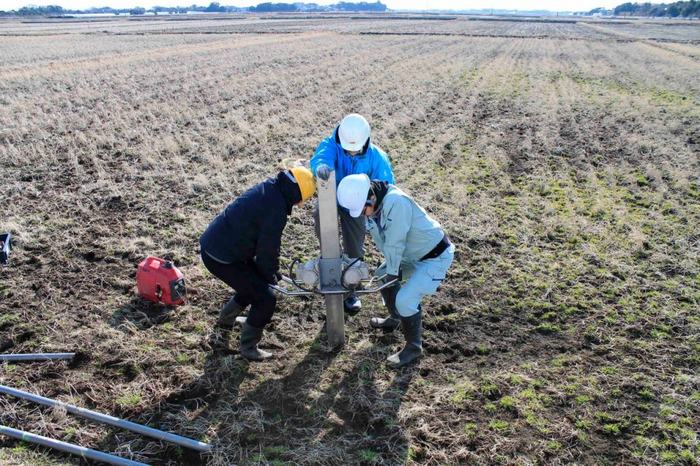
(353, 232)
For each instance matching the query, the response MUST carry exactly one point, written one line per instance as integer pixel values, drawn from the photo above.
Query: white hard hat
(352, 193)
(353, 132)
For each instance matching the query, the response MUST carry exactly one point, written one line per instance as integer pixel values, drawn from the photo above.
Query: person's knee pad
(404, 306)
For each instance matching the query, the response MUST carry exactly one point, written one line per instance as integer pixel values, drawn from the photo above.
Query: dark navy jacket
(250, 228)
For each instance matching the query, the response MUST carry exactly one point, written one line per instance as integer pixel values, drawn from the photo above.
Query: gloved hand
(276, 277)
(323, 172)
(390, 278)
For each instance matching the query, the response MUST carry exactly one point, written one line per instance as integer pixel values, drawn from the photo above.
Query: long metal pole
(330, 265)
(36, 356)
(67, 447)
(113, 421)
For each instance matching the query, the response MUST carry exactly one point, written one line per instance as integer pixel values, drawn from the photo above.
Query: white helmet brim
(352, 193)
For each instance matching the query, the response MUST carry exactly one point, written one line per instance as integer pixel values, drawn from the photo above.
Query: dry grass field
(562, 158)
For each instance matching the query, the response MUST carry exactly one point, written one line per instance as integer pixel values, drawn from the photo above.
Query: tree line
(690, 9)
(684, 9)
(341, 6)
(214, 7)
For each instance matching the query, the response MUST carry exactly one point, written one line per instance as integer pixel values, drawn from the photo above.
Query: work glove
(390, 278)
(323, 172)
(276, 277)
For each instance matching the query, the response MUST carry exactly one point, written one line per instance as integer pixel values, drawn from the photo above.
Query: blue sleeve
(325, 154)
(381, 167)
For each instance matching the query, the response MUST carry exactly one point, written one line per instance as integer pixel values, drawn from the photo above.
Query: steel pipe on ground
(36, 356)
(113, 421)
(67, 447)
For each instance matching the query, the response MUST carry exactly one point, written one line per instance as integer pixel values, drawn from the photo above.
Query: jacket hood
(379, 189)
(289, 189)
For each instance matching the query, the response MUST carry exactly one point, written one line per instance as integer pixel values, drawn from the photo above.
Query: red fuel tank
(158, 280)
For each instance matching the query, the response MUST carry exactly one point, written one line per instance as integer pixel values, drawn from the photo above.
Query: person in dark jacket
(241, 247)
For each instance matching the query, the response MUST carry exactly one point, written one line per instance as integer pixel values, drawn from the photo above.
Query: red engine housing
(158, 280)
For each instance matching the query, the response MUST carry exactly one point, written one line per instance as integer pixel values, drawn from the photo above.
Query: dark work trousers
(250, 288)
(353, 230)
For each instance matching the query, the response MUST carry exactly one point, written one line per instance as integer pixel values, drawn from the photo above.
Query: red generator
(158, 280)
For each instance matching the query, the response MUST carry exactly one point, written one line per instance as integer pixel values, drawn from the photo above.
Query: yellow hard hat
(305, 180)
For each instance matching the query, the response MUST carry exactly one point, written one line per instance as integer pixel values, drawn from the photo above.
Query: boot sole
(263, 358)
(406, 364)
(384, 328)
(229, 320)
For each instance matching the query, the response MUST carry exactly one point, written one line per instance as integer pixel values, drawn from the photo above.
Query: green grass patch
(128, 401)
(369, 455)
(501, 427)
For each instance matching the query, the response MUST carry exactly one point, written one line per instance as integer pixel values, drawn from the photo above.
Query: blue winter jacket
(250, 228)
(372, 161)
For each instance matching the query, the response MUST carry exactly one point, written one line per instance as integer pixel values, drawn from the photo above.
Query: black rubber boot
(411, 327)
(250, 337)
(229, 313)
(392, 322)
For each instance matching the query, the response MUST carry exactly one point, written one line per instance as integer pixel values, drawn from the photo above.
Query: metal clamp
(338, 290)
(291, 292)
(379, 288)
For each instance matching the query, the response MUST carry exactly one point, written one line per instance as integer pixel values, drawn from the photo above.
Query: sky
(522, 5)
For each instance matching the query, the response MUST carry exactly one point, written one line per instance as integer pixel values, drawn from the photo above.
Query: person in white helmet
(414, 246)
(349, 151)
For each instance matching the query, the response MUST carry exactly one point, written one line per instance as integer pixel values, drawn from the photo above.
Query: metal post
(36, 356)
(113, 421)
(67, 447)
(331, 264)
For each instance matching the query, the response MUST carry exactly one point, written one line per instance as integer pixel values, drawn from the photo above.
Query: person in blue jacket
(349, 151)
(241, 247)
(414, 246)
